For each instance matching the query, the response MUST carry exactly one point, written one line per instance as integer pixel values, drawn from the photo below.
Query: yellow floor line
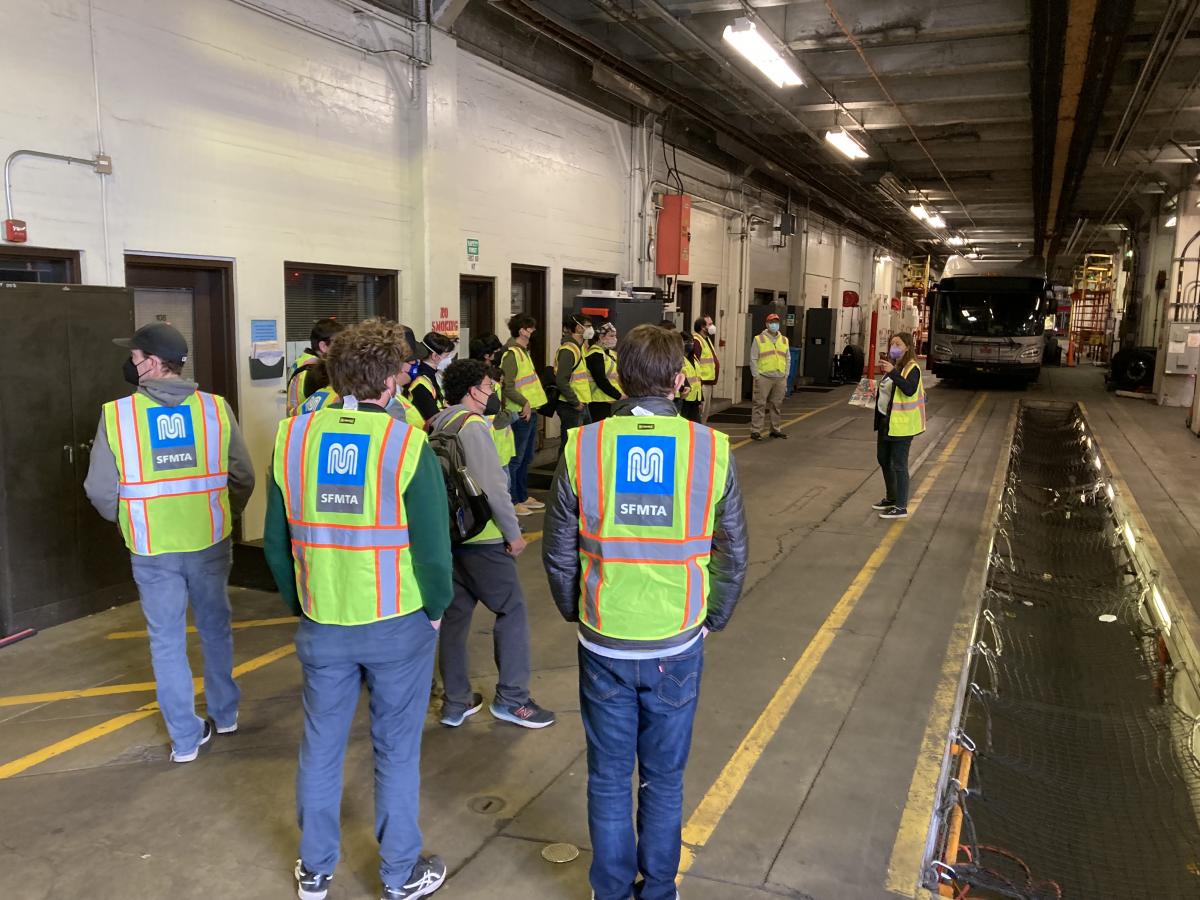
(790, 422)
(237, 626)
(720, 796)
(106, 690)
(908, 851)
(107, 727)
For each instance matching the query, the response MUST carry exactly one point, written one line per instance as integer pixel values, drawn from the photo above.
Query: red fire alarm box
(674, 235)
(896, 304)
(15, 231)
(849, 298)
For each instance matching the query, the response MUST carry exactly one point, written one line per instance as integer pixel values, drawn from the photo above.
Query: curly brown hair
(364, 356)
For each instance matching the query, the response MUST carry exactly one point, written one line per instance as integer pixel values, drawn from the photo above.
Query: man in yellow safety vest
(571, 376)
(645, 547)
(169, 466)
(769, 361)
(522, 395)
(485, 567)
(323, 331)
(707, 363)
(358, 540)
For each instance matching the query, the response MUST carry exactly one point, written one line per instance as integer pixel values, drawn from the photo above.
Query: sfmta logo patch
(172, 437)
(645, 482)
(342, 472)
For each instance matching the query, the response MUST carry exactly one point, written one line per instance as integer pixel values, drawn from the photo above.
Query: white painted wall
(232, 136)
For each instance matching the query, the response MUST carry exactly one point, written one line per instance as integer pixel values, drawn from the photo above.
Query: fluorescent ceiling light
(1160, 607)
(847, 145)
(1129, 538)
(956, 240)
(745, 38)
(885, 258)
(937, 222)
(1170, 222)
(918, 210)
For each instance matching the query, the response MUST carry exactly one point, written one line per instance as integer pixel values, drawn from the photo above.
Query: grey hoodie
(102, 479)
(484, 465)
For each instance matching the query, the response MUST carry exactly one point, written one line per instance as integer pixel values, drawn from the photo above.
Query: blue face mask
(414, 370)
(774, 327)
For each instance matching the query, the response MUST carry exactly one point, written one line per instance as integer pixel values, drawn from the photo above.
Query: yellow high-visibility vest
(907, 417)
(527, 382)
(648, 489)
(295, 385)
(343, 474)
(773, 356)
(706, 363)
(172, 472)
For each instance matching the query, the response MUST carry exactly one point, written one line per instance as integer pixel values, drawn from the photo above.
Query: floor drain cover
(560, 853)
(485, 805)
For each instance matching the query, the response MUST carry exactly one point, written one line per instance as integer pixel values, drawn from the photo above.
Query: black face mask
(492, 407)
(130, 371)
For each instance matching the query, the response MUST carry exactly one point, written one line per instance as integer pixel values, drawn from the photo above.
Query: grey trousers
(485, 573)
(768, 396)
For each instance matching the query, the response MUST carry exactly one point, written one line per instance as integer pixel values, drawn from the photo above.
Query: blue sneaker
(310, 885)
(454, 714)
(527, 715)
(427, 876)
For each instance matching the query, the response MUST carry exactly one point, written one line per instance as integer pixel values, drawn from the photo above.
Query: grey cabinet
(58, 558)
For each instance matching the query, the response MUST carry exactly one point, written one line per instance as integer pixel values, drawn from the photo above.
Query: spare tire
(1133, 369)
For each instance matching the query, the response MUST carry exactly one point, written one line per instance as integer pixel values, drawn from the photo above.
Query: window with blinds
(347, 294)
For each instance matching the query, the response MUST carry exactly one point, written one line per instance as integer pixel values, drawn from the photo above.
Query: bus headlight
(941, 350)
(1031, 353)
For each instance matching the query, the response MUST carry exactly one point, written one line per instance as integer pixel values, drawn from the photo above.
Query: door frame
(489, 280)
(540, 307)
(222, 314)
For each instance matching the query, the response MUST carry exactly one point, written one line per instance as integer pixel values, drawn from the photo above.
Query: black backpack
(470, 511)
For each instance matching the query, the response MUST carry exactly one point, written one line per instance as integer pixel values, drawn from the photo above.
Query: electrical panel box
(1183, 349)
(674, 235)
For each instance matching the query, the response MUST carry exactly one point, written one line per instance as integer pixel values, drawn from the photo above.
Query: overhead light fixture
(885, 258)
(845, 144)
(956, 240)
(1160, 607)
(1129, 538)
(937, 222)
(745, 38)
(971, 254)
(1170, 222)
(918, 210)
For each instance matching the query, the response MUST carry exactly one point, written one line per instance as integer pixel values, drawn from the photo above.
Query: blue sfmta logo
(342, 472)
(172, 437)
(645, 480)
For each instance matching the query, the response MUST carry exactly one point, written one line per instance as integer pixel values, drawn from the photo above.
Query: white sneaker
(228, 729)
(522, 510)
(205, 737)
(533, 503)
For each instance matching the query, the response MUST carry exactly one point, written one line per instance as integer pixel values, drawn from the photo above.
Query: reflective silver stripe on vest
(139, 527)
(387, 564)
(150, 489)
(633, 550)
(349, 538)
(587, 476)
(701, 482)
(212, 430)
(591, 593)
(395, 439)
(129, 439)
(218, 515)
(294, 462)
(695, 595)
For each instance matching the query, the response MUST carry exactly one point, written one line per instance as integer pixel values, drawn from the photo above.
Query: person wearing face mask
(691, 395)
(571, 377)
(485, 568)
(769, 360)
(169, 466)
(323, 331)
(357, 537)
(707, 364)
(487, 349)
(603, 386)
(399, 407)
(425, 390)
(899, 417)
(523, 395)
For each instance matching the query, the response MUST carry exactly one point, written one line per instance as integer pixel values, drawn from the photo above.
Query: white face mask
(712, 329)
(589, 333)
(444, 363)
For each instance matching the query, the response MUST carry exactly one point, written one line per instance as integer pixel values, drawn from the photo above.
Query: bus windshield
(992, 307)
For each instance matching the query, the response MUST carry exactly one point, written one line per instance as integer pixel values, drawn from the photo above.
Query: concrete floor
(818, 813)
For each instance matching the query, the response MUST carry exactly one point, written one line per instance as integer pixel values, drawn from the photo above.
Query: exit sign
(473, 249)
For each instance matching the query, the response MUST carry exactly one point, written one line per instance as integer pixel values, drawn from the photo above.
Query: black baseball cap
(419, 350)
(157, 339)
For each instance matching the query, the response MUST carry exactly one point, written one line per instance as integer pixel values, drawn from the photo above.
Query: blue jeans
(395, 660)
(165, 585)
(525, 439)
(637, 710)
(892, 454)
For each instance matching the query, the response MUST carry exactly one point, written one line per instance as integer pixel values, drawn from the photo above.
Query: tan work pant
(768, 394)
(706, 402)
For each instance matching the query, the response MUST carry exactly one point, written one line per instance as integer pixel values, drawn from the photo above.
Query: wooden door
(684, 303)
(476, 310)
(529, 296)
(708, 301)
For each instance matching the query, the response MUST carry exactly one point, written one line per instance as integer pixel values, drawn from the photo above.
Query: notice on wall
(1193, 340)
(1176, 347)
(264, 330)
(444, 324)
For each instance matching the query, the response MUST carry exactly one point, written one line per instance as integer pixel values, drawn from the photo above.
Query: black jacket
(427, 404)
(596, 368)
(726, 567)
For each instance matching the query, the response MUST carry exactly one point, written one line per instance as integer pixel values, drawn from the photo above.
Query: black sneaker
(779, 434)
(527, 715)
(883, 504)
(454, 714)
(427, 876)
(310, 885)
(205, 737)
(755, 436)
(896, 512)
